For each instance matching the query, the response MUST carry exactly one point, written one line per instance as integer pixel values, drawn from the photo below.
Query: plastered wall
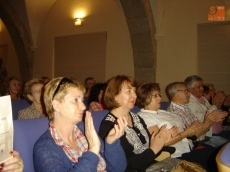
(101, 16)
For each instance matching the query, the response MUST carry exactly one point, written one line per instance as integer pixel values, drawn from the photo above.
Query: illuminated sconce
(78, 21)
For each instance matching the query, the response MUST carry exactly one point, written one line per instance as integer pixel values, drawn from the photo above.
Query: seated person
(89, 82)
(64, 146)
(33, 91)
(199, 105)
(207, 93)
(226, 107)
(95, 97)
(12, 87)
(13, 164)
(3, 71)
(226, 104)
(140, 147)
(149, 99)
(179, 98)
(46, 79)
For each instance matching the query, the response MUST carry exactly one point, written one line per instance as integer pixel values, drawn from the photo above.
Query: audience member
(13, 164)
(199, 105)
(45, 79)
(226, 104)
(33, 91)
(207, 93)
(149, 99)
(64, 147)
(89, 82)
(3, 71)
(212, 91)
(140, 148)
(95, 97)
(13, 88)
(179, 96)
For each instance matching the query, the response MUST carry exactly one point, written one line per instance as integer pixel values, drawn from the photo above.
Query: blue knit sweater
(49, 157)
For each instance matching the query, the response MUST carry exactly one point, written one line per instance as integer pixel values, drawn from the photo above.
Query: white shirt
(199, 110)
(162, 117)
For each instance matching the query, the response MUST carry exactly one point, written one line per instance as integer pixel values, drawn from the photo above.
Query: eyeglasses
(156, 95)
(185, 91)
(63, 81)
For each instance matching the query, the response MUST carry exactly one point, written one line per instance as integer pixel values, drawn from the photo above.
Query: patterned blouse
(81, 143)
(135, 142)
(95, 106)
(30, 112)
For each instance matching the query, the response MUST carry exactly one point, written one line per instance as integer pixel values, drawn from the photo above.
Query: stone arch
(20, 37)
(142, 31)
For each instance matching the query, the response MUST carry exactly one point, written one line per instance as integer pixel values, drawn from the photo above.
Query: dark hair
(114, 87)
(189, 81)
(206, 89)
(7, 84)
(88, 78)
(95, 91)
(144, 93)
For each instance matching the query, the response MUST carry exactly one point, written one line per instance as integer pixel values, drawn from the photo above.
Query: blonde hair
(57, 90)
(28, 85)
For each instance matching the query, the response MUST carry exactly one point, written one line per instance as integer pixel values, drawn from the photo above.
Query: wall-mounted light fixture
(78, 21)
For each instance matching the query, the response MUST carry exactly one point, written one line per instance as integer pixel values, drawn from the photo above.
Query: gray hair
(189, 81)
(172, 88)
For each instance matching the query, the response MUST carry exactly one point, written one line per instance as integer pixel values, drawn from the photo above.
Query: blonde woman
(69, 144)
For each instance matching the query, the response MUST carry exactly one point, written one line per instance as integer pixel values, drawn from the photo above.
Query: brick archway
(20, 37)
(142, 31)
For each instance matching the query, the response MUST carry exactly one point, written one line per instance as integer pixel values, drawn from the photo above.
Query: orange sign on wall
(216, 13)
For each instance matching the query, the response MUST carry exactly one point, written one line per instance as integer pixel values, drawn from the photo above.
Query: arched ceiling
(36, 12)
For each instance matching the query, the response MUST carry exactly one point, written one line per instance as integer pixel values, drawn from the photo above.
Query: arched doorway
(142, 31)
(20, 38)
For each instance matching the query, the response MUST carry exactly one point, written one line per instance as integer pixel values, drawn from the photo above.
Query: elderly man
(199, 105)
(89, 82)
(180, 98)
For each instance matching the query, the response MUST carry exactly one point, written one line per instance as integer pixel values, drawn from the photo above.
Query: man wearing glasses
(181, 96)
(189, 109)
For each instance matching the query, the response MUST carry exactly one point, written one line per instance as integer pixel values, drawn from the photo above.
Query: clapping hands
(91, 134)
(117, 131)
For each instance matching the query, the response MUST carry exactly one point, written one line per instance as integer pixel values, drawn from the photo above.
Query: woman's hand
(173, 132)
(158, 140)
(14, 164)
(117, 131)
(91, 134)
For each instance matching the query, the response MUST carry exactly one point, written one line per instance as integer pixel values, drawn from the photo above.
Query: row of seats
(18, 105)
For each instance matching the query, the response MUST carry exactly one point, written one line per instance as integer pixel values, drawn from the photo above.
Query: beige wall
(102, 16)
(177, 38)
(7, 52)
(176, 22)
